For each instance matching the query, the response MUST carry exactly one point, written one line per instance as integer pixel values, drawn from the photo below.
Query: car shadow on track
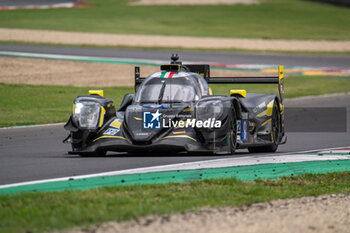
(162, 155)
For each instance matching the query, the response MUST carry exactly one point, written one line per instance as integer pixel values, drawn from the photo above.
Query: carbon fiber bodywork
(150, 121)
(257, 109)
(129, 134)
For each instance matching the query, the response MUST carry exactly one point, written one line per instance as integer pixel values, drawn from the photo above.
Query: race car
(175, 111)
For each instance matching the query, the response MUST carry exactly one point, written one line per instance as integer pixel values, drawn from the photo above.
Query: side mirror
(127, 100)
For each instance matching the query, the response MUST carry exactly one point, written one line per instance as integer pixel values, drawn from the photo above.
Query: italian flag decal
(167, 74)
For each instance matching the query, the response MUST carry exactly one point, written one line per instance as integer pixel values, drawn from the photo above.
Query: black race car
(174, 110)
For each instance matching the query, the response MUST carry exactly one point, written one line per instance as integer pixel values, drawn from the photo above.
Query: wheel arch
(237, 106)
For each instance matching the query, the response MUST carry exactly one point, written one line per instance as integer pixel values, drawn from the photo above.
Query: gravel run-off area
(159, 41)
(326, 213)
(71, 73)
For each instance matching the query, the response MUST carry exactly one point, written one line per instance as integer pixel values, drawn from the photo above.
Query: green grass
(272, 19)
(29, 104)
(38, 212)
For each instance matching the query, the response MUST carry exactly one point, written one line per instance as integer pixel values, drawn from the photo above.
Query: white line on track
(31, 126)
(301, 156)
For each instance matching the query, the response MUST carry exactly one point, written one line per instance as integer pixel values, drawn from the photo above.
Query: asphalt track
(334, 61)
(34, 153)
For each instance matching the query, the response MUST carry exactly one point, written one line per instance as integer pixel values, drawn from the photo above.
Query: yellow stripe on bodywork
(268, 111)
(73, 108)
(267, 121)
(110, 136)
(102, 116)
(179, 136)
(138, 118)
(187, 109)
(263, 113)
(269, 108)
(281, 108)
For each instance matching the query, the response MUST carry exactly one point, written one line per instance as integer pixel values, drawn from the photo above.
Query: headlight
(209, 109)
(86, 115)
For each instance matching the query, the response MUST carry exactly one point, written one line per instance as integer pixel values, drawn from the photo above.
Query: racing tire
(275, 132)
(233, 132)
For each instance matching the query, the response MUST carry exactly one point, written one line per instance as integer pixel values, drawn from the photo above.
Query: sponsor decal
(116, 123)
(239, 130)
(111, 131)
(142, 134)
(259, 107)
(151, 120)
(192, 123)
(244, 130)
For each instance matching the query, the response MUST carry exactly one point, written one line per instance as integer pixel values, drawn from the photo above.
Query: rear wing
(204, 71)
(278, 79)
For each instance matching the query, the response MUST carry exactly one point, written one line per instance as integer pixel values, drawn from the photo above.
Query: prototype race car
(174, 110)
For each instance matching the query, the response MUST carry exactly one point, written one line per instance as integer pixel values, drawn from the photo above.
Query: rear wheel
(233, 132)
(274, 136)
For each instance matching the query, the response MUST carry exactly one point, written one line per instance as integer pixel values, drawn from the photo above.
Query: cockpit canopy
(181, 87)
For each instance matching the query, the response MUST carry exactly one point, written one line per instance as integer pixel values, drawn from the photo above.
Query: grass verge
(22, 104)
(272, 19)
(29, 104)
(38, 212)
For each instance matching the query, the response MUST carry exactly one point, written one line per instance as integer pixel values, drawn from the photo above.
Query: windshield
(160, 90)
